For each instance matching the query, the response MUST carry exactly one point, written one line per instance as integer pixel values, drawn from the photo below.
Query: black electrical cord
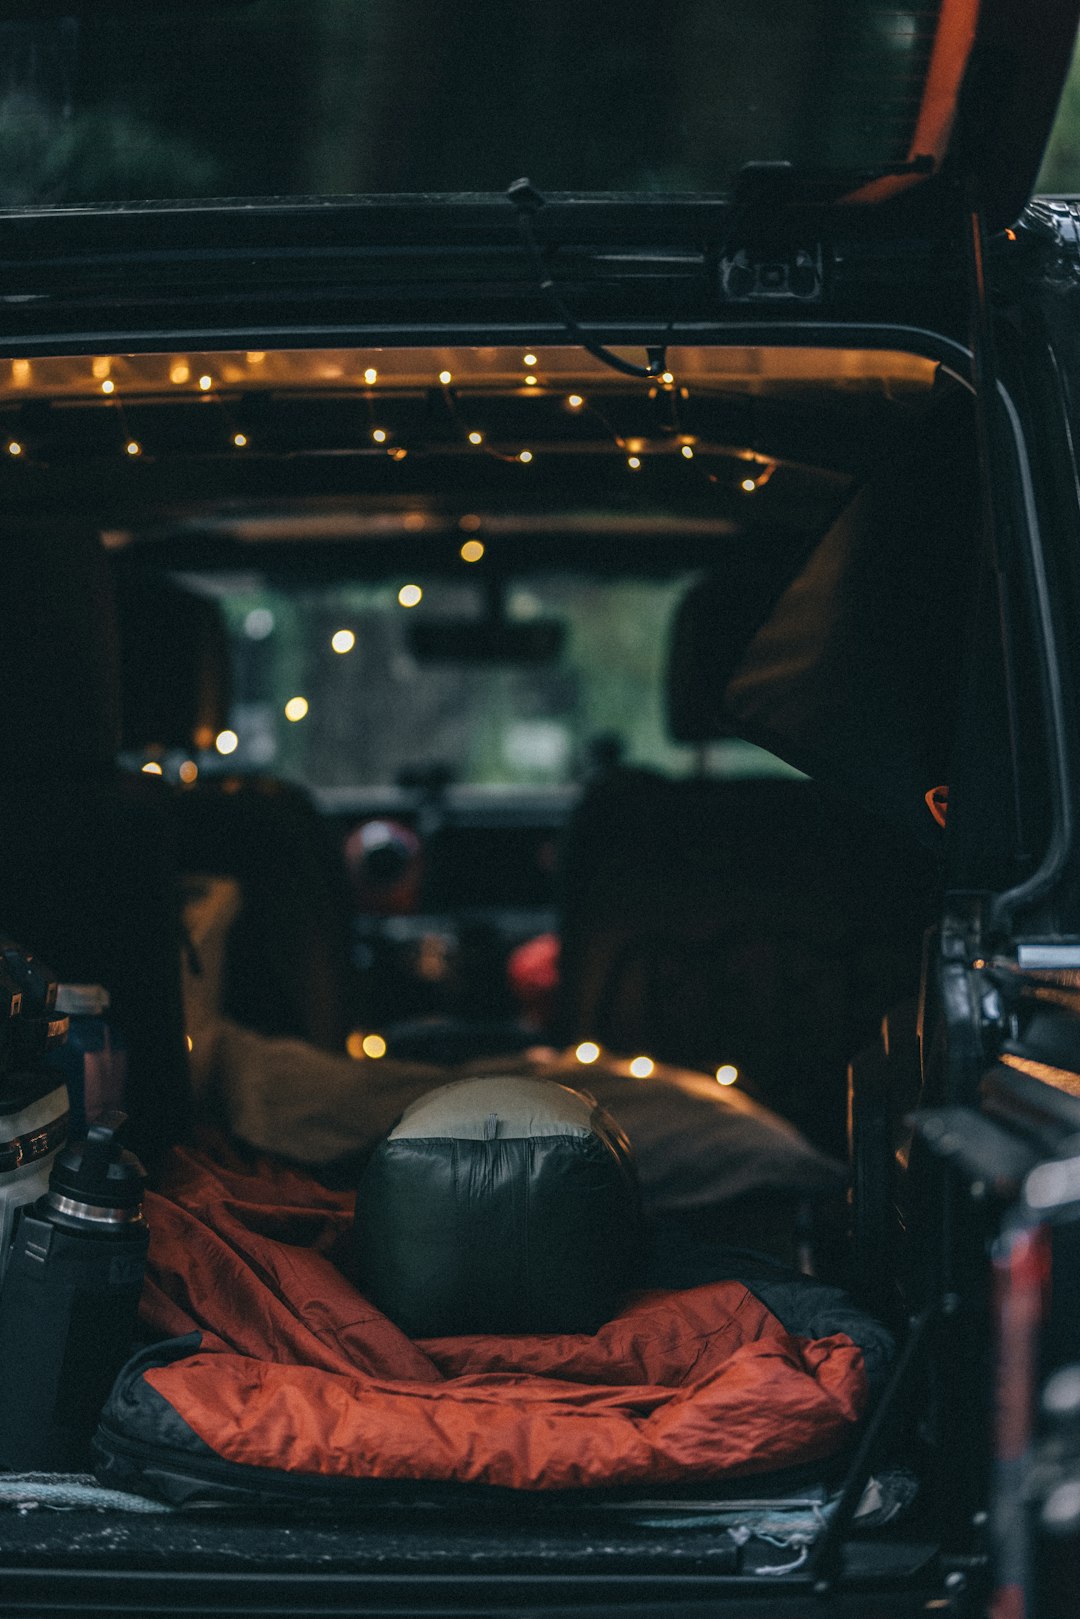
(526, 201)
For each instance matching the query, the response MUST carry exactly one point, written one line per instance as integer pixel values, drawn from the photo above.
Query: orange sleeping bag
(293, 1371)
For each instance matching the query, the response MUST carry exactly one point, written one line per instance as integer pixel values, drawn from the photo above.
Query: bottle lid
(82, 1000)
(96, 1171)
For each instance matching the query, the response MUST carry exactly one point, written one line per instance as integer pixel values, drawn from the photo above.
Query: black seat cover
(499, 1205)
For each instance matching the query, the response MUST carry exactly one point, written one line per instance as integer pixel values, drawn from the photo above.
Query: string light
(296, 709)
(206, 382)
(108, 386)
(133, 447)
(14, 447)
(749, 484)
(379, 435)
(240, 440)
(642, 1067)
(587, 1052)
(688, 451)
(575, 401)
(476, 438)
(343, 641)
(727, 1074)
(409, 595)
(472, 551)
(634, 462)
(371, 376)
(525, 456)
(528, 359)
(226, 742)
(446, 377)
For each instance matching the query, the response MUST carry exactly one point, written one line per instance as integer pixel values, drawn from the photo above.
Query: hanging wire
(526, 201)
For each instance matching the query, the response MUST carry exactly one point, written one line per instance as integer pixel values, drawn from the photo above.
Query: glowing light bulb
(296, 708)
(749, 485)
(688, 452)
(476, 438)
(446, 377)
(667, 377)
(108, 386)
(189, 772)
(133, 447)
(373, 1045)
(587, 1052)
(240, 440)
(371, 376)
(575, 401)
(180, 373)
(409, 595)
(206, 382)
(472, 551)
(528, 359)
(642, 1067)
(343, 640)
(530, 382)
(633, 462)
(226, 742)
(727, 1074)
(151, 768)
(379, 435)
(14, 447)
(525, 456)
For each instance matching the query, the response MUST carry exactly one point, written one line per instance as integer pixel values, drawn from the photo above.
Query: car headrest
(714, 623)
(61, 709)
(174, 659)
(499, 1205)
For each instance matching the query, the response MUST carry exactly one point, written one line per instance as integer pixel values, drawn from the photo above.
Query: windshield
(302, 97)
(329, 689)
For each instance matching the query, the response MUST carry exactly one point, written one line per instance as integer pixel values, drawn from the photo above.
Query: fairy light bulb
(688, 452)
(379, 435)
(472, 551)
(108, 386)
(530, 382)
(634, 462)
(667, 378)
(296, 709)
(528, 359)
(14, 448)
(575, 401)
(206, 382)
(749, 484)
(133, 447)
(476, 438)
(446, 377)
(371, 376)
(587, 1052)
(525, 457)
(226, 742)
(409, 595)
(343, 641)
(642, 1067)
(727, 1074)
(240, 440)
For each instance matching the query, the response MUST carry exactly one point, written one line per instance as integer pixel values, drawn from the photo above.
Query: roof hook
(527, 202)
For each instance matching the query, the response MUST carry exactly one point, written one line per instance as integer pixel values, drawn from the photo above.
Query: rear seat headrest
(174, 656)
(61, 709)
(712, 628)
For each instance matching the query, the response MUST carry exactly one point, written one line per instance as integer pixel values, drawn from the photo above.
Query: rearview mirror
(486, 640)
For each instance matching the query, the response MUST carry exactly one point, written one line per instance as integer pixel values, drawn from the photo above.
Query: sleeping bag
(276, 1376)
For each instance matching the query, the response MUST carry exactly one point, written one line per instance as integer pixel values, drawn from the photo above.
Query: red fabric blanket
(297, 1371)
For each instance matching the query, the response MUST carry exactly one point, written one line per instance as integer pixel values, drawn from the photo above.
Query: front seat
(757, 923)
(288, 969)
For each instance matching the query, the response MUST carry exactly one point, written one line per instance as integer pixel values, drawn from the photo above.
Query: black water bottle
(69, 1300)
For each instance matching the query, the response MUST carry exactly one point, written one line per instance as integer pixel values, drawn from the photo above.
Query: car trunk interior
(825, 504)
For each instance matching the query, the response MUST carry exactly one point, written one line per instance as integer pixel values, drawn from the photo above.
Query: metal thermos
(69, 1300)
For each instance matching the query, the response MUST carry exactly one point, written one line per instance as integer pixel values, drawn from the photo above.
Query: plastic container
(93, 1062)
(31, 1134)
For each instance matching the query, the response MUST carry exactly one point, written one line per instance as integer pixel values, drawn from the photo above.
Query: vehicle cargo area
(376, 720)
